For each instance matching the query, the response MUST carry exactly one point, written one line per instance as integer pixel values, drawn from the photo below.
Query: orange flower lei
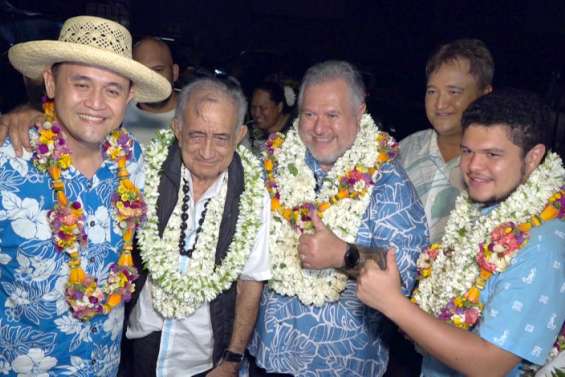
(52, 155)
(352, 185)
(493, 257)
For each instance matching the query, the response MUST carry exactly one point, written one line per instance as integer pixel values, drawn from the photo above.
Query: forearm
(246, 308)
(462, 350)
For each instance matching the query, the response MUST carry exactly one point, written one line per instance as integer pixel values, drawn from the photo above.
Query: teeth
(90, 117)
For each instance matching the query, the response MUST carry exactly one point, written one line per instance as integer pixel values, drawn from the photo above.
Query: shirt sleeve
(136, 167)
(395, 217)
(525, 305)
(258, 264)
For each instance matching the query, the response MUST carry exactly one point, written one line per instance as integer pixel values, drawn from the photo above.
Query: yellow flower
(323, 206)
(275, 204)
(268, 164)
(65, 161)
(459, 322)
(459, 301)
(549, 213)
(277, 142)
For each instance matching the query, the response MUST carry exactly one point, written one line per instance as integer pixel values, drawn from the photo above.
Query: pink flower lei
(52, 155)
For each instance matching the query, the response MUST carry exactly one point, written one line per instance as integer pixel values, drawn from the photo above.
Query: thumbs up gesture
(380, 288)
(321, 248)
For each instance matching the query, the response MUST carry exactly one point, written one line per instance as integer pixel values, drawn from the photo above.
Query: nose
(95, 99)
(207, 151)
(319, 125)
(442, 101)
(473, 161)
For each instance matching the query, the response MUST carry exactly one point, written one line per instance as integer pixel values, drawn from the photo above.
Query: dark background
(388, 40)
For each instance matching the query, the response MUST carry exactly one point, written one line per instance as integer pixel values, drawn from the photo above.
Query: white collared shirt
(187, 344)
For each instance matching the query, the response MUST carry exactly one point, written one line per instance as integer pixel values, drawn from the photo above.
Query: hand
(378, 288)
(16, 124)
(322, 248)
(224, 369)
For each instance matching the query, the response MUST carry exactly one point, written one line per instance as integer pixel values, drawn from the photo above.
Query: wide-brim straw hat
(93, 41)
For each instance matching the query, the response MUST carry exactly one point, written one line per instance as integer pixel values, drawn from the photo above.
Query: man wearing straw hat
(69, 208)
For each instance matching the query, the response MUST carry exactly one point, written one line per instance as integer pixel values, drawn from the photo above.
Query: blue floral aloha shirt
(344, 338)
(38, 334)
(525, 304)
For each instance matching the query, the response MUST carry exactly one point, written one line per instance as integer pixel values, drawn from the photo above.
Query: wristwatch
(351, 257)
(232, 357)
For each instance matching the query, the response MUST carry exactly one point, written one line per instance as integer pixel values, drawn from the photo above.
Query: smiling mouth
(443, 115)
(478, 180)
(91, 118)
(322, 140)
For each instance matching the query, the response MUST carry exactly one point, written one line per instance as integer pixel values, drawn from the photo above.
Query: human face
(157, 56)
(450, 90)
(208, 137)
(329, 121)
(492, 165)
(90, 103)
(264, 110)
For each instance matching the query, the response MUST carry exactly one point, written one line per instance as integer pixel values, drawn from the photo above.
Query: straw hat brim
(32, 58)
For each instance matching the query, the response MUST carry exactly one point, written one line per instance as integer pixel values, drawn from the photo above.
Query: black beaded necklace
(184, 220)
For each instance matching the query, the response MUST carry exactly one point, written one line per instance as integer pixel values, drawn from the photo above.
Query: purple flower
(42, 148)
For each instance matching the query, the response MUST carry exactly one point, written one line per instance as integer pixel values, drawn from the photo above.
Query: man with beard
(337, 195)
(491, 295)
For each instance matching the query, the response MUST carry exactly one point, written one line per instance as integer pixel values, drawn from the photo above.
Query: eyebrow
(484, 150)
(89, 79)
(449, 86)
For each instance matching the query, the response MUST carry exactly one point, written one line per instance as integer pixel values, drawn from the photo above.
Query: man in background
(143, 119)
(457, 73)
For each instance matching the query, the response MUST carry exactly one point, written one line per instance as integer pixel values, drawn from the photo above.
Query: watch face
(232, 356)
(351, 256)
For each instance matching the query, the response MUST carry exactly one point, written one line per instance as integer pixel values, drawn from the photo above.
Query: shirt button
(92, 223)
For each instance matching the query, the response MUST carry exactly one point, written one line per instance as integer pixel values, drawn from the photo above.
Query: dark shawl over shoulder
(222, 308)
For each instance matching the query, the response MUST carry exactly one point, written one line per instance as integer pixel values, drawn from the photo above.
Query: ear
(175, 72)
(131, 92)
(177, 129)
(487, 90)
(360, 111)
(241, 133)
(49, 82)
(533, 158)
(280, 107)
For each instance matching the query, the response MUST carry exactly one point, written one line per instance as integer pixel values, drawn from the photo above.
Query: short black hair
(276, 92)
(481, 63)
(525, 113)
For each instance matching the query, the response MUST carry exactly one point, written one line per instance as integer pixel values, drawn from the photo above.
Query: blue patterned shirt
(38, 334)
(524, 305)
(343, 338)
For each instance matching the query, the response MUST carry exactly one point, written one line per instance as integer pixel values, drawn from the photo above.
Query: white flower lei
(455, 268)
(297, 185)
(177, 294)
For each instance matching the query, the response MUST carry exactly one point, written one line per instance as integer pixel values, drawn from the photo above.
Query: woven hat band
(99, 33)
